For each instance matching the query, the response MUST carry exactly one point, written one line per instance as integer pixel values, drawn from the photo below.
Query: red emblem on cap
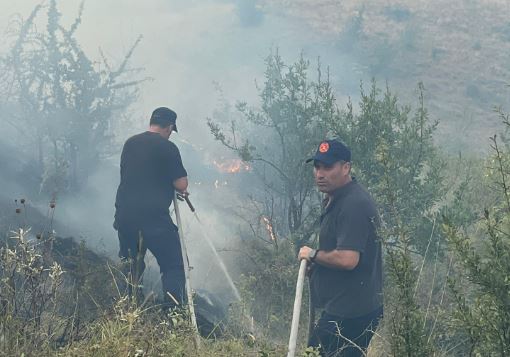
(324, 147)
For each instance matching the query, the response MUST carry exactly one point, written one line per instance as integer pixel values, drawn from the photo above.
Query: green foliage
(48, 286)
(468, 194)
(484, 312)
(29, 284)
(390, 144)
(278, 136)
(408, 335)
(267, 287)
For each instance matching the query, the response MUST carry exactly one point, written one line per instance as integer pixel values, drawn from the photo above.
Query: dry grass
(44, 312)
(458, 49)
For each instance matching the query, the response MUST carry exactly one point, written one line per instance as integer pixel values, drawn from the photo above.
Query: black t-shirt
(350, 222)
(149, 165)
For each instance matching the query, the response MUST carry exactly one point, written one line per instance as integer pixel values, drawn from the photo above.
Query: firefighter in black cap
(346, 269)
(151, 171)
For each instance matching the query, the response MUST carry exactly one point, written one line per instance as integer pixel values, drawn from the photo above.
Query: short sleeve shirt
(350, 222)
(148, 167)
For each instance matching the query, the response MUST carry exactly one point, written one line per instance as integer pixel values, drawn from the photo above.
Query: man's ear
(347, 166)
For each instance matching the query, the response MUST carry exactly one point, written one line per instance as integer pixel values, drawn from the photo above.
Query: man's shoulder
(148, 137)
(359, 197)
(137, 138)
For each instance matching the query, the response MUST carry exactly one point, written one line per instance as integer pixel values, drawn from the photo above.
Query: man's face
(331, 177)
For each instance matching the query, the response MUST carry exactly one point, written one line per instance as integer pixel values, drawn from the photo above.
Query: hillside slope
(458, 49)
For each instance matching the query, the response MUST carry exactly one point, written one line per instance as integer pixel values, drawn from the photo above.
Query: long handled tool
(186, 273)
(297, 309)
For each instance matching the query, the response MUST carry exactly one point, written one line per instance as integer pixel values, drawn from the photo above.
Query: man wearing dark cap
(151, 170)
(346, 269)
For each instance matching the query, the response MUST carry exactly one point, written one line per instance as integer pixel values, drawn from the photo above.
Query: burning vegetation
(232, 166)
(269, 228)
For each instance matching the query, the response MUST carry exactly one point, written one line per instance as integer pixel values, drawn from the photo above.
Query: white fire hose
(185, 261)
(297, 309)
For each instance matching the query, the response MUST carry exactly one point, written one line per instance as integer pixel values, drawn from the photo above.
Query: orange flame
(269, 228)
(233, 166)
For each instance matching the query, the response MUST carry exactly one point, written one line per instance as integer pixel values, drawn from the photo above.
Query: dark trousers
(344, 337)
(162, 239)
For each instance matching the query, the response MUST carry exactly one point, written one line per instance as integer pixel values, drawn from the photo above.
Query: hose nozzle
(190, 205)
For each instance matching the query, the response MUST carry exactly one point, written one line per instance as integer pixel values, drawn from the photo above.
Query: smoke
(188, 49)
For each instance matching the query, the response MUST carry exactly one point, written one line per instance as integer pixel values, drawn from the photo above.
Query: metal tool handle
(186, 273)
(297, 309)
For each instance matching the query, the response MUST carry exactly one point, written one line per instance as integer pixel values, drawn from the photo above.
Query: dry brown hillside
(458, 48)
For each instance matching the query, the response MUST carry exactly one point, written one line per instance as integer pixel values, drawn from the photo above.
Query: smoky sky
(188, 45)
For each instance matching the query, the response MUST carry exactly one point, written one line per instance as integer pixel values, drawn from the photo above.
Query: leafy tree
(61, 101)
(414, 167)
(277, 137)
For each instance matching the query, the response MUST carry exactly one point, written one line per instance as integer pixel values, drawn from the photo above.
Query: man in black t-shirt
(346, 269)
(151, 170)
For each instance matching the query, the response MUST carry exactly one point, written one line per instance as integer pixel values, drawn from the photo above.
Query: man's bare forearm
(333, 259)
(338, 259)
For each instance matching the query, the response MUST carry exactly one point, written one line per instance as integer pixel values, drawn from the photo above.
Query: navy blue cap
(164, 116)
(331, 151)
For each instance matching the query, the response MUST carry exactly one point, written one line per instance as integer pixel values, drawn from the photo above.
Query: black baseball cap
(164, 117)
(331, 151)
